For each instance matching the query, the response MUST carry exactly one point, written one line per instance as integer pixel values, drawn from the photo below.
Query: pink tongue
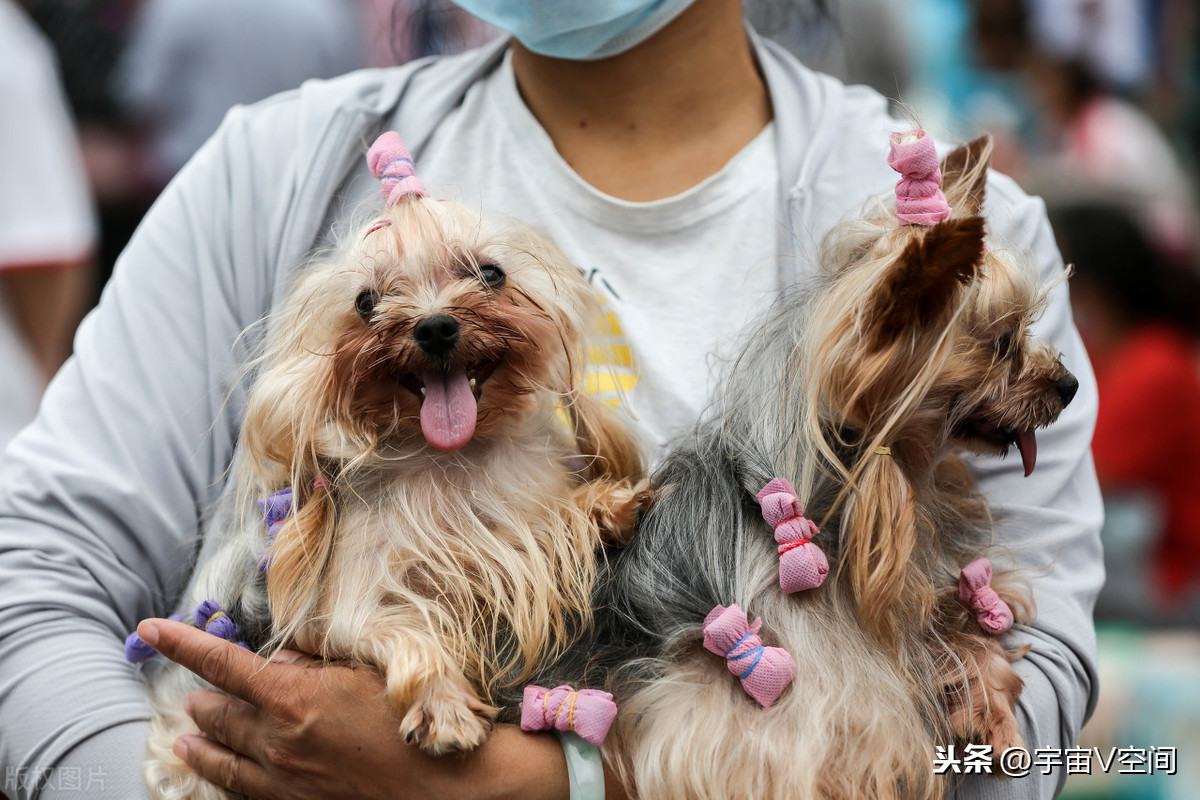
(1027, 444)
(448, 412)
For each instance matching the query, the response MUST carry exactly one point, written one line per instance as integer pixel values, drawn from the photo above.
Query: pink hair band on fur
(391, 163)
(587, 712)
(975, 589)
(383, 223)
(802, 564)
(764, 671)
(919, 198)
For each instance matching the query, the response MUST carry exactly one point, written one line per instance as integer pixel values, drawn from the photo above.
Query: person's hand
(298, 728)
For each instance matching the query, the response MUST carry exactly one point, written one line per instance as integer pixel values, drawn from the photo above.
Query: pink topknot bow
(588, 712)
(764, 671)
(919, 198)
(393, 166)
(974, 587)
(802, 564)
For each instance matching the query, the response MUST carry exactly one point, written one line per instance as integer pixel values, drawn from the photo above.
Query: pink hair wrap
(764, 671)
(393, 166)
(588, 712)
(974, 588)
(802, 564)
(919, 198)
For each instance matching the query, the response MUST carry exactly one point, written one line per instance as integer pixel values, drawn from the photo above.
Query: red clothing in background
(1148, 439)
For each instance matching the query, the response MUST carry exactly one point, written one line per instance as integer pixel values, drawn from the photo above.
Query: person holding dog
(687, 165)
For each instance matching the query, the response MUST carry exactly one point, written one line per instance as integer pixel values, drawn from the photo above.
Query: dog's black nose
(1067, 386)
(437, 335)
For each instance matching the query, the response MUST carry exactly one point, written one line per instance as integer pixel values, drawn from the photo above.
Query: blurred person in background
(47, 229)
(1136, 312)
(88, 37)
(855, 41)
(1085, 59)
(399, 31)
(1113, 38)
(967, 78)
(189, 61)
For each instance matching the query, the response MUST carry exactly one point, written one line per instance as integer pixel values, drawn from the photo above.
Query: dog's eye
(492, 275)
(364, 304)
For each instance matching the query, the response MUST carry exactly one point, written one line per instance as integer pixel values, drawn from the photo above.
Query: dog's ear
(964, 176)
(919, 286)
(606, 445)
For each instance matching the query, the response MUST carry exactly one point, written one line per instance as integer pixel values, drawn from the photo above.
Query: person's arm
(45, 301)
(47, 223)
(1050, 523)
(100, 497)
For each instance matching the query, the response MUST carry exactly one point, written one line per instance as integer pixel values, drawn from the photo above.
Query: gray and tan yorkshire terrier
(433, 513)
(913, 344)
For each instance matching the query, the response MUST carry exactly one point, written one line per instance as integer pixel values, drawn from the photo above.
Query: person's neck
(657, 119)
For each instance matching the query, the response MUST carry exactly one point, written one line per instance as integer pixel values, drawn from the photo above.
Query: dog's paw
(617, 513)
(1004, 735)
(442, 724)
(176, 781)
(166, 775)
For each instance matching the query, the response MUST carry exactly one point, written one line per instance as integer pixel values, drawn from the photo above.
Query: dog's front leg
(981, 691)
(440, 712)
(614, 506)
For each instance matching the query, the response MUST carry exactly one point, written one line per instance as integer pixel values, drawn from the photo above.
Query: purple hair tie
(211, 618)
(208, 616)
(276, 508)
(137, 651)
(919, 198)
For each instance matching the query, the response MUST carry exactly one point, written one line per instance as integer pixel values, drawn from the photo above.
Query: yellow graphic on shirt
(609, 369)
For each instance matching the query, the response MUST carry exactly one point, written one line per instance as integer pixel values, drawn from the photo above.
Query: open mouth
(1002, 438)
(449, 398)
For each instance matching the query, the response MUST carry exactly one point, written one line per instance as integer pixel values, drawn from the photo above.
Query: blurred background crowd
(1093, 104)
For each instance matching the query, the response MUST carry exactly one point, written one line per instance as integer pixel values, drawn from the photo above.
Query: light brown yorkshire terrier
(444, 512)
(860, 390)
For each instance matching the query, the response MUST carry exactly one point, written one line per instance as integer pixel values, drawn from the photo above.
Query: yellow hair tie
(571, 712)
(883, 451)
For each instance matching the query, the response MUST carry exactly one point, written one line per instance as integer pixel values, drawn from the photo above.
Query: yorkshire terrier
(876, 641)
(436, 489)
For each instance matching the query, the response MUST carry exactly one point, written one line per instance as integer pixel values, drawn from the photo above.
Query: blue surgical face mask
(580, 30)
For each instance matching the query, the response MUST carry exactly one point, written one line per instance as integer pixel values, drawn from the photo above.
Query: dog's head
(924, 339)
(434, 328)
(922, 342)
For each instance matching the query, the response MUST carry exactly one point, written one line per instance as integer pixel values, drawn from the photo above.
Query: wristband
(585, 770)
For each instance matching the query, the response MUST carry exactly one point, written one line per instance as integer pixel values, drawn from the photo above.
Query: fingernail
(148, 631)
(187, 704)
(286, 657)
(181, 747)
